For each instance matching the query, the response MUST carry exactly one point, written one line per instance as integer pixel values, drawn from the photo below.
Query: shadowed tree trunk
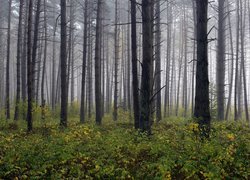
(98, 66)
(201, 111)
(44, 60)
(34, 51)
(7, 90)
(158, 61)
(242, 32)
(220, 74)
(147, 70)
(116, 62)
(29, 68)
(84, 58)
(134, 65)
(63, 55)
(232, 64)
(24, 62)
(237, 63)
(19, 43)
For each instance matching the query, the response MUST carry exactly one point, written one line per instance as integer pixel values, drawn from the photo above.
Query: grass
(117, 151)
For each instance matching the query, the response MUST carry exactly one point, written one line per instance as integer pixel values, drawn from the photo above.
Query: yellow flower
(230, 137)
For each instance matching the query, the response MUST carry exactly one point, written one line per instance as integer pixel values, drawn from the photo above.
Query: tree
(84, 59)
(134, 65)
(44, 61)
(63, 56)
(201, 111)
(19, 43)
(98, 66)
(116, 62)
(7, 92)
(29, 67)
(158, 61)
(147, 68)
(220, 73)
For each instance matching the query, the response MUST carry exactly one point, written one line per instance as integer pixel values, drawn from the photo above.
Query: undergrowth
(117, 151)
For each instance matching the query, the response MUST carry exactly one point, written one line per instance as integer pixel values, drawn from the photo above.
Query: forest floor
(116, 151)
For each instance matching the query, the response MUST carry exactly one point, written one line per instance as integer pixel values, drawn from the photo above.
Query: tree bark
(84, 59)
(98, 66)
(63, 55)
(29, 68)
(147, 70)
(7, 90)
(134, 65)
(19, 43)
(201, 111)
(220, 74)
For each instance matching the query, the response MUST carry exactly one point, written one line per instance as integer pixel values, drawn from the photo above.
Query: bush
(116, 151)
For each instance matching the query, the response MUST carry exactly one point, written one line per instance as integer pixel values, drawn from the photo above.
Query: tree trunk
(7, 92)
(237, 63)
(147, 70)
(63, 55)
(19, 43)
(220, 74)
(97, 65)
(134, 65)
(232, 64)
(44, 61)
(158, 62)
(201, 111)
(116, 62)
(84, 59)
(29, 68)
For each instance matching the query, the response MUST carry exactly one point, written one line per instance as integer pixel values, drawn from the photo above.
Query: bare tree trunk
(90, 73)
(53, 89)
(134, 65)
(30, 68)
(147, 70)
(97, 65)
(232, 64)
(237, 62)
(184, 101)
(7, 92)
(220, 74)
(242, 24)
(128, 65)
(169, 42)
(107, 77)
(84, 59)
(34, 49)
(63, 55)
(201, 111)
(194, 55)
(19, 43)
(116, 62)
(158, 61)
(44, 61)
(24, 63)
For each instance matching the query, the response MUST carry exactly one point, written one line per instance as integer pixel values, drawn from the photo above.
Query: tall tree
(63, 56)
(134, 65)
(220, 73)
(237, 61)
(7, 92)
(84, 59)
(19, 43)
(201, 111)
(116, 62)
(29, 67)
(158, 61)
(147, 67)
(44, 60)
(98, 65)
